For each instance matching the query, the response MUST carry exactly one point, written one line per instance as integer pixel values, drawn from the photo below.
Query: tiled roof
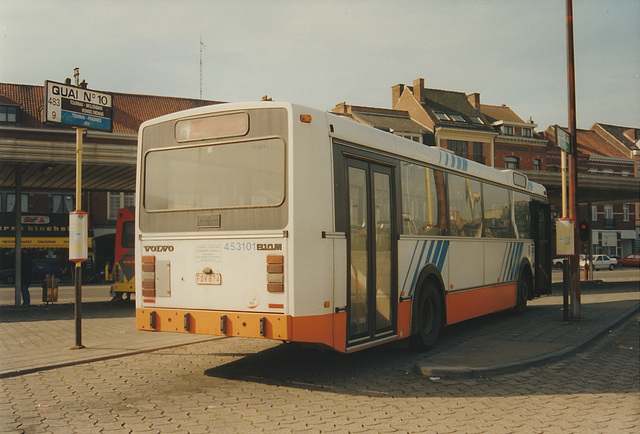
(496, 113)
(627, 136)
(129, 110)
(402, 124)
(451, 102)
(591, 143)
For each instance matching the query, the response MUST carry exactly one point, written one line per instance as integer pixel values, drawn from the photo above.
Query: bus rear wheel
(429, 318)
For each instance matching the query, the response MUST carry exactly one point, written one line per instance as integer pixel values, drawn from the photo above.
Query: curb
(451, 372)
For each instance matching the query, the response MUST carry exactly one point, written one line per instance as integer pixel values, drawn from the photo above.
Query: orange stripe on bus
(469, 304)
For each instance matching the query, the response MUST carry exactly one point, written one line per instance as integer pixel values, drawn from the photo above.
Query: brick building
(615, 225)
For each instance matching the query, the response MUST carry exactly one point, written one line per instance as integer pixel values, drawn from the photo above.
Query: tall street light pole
(574, 274)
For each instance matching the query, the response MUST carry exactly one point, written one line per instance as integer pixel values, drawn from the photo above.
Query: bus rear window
(234, 175)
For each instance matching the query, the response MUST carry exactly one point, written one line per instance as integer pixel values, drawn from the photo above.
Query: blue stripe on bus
(504, 259)
(511, 262)
(415, 249)
(505, 262)
(443, 255)
(435, 254)
(516, 263)
(415, 275)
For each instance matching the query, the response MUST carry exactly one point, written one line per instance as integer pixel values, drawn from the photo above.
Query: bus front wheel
(429, 318)
(522, 292)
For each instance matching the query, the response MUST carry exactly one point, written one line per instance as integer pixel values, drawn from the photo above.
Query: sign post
(563, 141)
(81, 108)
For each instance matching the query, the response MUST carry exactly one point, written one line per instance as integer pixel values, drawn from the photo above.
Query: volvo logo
(158, 248)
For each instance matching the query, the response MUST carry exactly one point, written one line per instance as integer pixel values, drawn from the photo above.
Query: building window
(536, 164)
(626, 209)
(11, 202)
(8, 114)
(594, 213)
(477, 152)
(411, 137)
(608, 212)
(441, 116)
(476, 120)
(118, 200)
(507, 130)
(457, 118)
(511, 162)
(526, 132)
(458, 147)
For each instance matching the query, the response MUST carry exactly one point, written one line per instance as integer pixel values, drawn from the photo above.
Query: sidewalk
(41, 337)
(503, 343)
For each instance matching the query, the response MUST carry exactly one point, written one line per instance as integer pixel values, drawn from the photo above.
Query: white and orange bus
(272, 220)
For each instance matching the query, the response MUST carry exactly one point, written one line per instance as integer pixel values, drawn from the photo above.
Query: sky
(320, 53)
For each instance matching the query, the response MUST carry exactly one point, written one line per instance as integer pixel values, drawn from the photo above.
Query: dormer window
(526, 132)
(507, 130)
(441, 116)
(8, 114)
(457, 118)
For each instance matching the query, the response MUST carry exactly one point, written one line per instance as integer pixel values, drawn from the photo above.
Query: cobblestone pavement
(240, 385)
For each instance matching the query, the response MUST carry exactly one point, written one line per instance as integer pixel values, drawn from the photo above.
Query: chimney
(396, 91)
(474, 100)
(340, 108)
(418, 88)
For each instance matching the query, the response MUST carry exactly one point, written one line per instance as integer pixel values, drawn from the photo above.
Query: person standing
(27, 271)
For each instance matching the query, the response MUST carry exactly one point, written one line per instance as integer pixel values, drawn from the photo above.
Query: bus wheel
(522, 292)
(429, 318)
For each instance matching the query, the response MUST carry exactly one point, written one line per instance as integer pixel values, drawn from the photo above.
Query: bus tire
(524, 286)
(429, 317)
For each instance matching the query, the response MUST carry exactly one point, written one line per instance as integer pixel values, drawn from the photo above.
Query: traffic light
(583, 230)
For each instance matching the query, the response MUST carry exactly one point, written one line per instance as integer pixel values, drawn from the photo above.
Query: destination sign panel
(78, 107)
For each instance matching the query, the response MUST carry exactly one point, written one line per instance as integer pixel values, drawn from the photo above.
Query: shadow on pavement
(65, 311)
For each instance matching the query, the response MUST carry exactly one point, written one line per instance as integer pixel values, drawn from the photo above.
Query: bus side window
(465, 206)
(422, 200)
(522, 214)
(497, 212)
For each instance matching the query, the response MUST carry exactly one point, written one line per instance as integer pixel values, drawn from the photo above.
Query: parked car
(600, 262)
(632, 260)
(40, 270)
(557, 262)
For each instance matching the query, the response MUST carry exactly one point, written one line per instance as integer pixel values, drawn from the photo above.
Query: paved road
(240, 385)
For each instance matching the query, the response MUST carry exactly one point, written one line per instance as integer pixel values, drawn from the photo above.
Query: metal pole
(78, 270)
(563, 161)
(574, 274)
(565, 290)
(18, 246)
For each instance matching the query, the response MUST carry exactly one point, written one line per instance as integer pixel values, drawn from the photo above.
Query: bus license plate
(209, 279)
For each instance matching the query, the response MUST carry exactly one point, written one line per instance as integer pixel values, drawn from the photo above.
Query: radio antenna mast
(201, 45)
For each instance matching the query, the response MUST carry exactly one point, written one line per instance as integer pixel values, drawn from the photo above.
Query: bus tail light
(148, 280)
(275, 273)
